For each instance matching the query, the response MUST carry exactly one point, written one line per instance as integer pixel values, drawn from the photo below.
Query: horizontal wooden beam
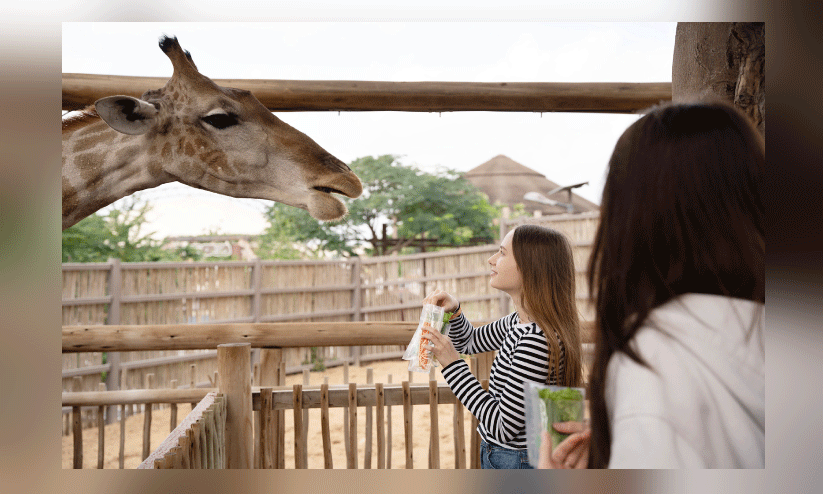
(104, 338)
(127, 338)
(282, 399)
(81, 90)
(134, 397)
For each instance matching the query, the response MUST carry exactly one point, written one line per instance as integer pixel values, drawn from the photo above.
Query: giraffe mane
(80, 118)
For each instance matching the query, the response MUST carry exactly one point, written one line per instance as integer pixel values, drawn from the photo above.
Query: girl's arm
(469, 340)
(503, 417)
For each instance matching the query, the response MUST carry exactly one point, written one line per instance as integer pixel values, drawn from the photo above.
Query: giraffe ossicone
(198, 133)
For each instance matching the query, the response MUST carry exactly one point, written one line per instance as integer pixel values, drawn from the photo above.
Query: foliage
(440, 205)
(318, 362)
(117, 234)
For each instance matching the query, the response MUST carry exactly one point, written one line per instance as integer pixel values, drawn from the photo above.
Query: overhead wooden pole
(80, 90)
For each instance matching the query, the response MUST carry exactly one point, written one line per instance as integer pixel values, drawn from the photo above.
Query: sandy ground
(397, 368)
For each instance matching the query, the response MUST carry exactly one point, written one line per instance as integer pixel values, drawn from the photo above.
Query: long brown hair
(682, 212)
(544, 259)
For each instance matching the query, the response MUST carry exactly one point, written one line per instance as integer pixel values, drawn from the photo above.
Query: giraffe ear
(126, 114)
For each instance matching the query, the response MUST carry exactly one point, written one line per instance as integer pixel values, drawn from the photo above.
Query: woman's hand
(441, 345)
(572, 452)
(443, 299)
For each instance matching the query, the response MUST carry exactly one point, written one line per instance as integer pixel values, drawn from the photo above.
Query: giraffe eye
(220, 120)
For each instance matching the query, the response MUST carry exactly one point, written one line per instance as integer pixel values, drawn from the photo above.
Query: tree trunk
(722, 60)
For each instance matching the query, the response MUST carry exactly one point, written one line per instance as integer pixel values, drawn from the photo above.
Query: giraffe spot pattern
(216, 160)
(70, 200)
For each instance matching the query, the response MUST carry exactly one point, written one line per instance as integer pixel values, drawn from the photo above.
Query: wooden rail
(80, 90)
(104, 338)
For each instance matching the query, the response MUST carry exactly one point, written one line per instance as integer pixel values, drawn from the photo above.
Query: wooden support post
(147, 408)
(173, 408)
(346, 412)
(269, 372)
(407, 423)
(101, 430)
(233, 363)
(299, 437)
(367, 453)
(267, 429)
(459, 437)
(281, 421)
(352, 426)
(324, 425)
(434, 436)
(197, 446)
(306, 382)
(192, 381)
(77, 430)
(122, 456)
(379, 411)
(388, 430)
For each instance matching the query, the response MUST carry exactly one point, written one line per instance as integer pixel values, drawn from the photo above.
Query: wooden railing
(272, 398)
(198, 442)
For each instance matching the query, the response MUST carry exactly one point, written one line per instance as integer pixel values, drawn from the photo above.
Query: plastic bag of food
(546, 405)
(432, 318)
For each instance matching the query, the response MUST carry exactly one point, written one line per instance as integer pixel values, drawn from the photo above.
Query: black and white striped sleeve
(469, 340)
(504, 416)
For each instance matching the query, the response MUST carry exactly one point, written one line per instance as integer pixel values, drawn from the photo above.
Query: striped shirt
(523, 356)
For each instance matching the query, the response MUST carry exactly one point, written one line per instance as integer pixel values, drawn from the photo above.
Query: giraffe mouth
(329, 190)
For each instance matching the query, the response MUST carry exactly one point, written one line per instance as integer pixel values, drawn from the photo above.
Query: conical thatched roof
(507, 181)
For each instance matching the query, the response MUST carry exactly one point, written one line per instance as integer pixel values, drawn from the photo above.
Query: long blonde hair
(544, 259)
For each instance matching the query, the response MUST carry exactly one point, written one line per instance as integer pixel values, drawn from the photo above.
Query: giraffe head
(225, 141)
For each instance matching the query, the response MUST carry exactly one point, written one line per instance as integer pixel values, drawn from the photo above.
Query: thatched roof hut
(507, 181)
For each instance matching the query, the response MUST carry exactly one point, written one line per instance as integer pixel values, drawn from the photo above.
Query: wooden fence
(269, 402)
(198, 442)
(389, 288)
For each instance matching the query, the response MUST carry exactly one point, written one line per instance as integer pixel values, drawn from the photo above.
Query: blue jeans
(495, 457)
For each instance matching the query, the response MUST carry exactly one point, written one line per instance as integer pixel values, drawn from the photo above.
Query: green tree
(117, 234)
(440, 205)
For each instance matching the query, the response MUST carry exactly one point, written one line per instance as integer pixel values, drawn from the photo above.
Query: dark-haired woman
(538, 342)
(677, 272)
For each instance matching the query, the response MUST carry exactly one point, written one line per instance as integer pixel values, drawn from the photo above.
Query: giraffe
(203, 135)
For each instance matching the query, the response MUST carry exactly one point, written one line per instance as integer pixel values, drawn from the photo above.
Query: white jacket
(702, 404)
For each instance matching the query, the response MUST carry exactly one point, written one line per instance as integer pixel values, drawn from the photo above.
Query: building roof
(507, 181)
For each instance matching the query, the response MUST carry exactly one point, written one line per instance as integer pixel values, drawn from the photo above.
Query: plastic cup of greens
(548, 405)
(561, 405)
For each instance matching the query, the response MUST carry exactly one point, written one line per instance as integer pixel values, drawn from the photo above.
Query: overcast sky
(567, 148)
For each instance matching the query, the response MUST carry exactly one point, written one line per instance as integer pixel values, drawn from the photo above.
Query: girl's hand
(443, 299)
(573, 452)
(441, 345)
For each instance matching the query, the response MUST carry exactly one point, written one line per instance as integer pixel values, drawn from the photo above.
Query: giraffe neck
(101, 165)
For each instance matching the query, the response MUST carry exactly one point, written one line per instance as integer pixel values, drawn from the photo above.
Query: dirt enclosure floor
(160, 428)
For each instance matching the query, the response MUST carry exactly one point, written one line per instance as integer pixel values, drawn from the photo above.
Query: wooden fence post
(256, 286)
(357, 302)
(113, 318)
(77, 424)
(269, 368)
(233, 362)
(101, 431)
